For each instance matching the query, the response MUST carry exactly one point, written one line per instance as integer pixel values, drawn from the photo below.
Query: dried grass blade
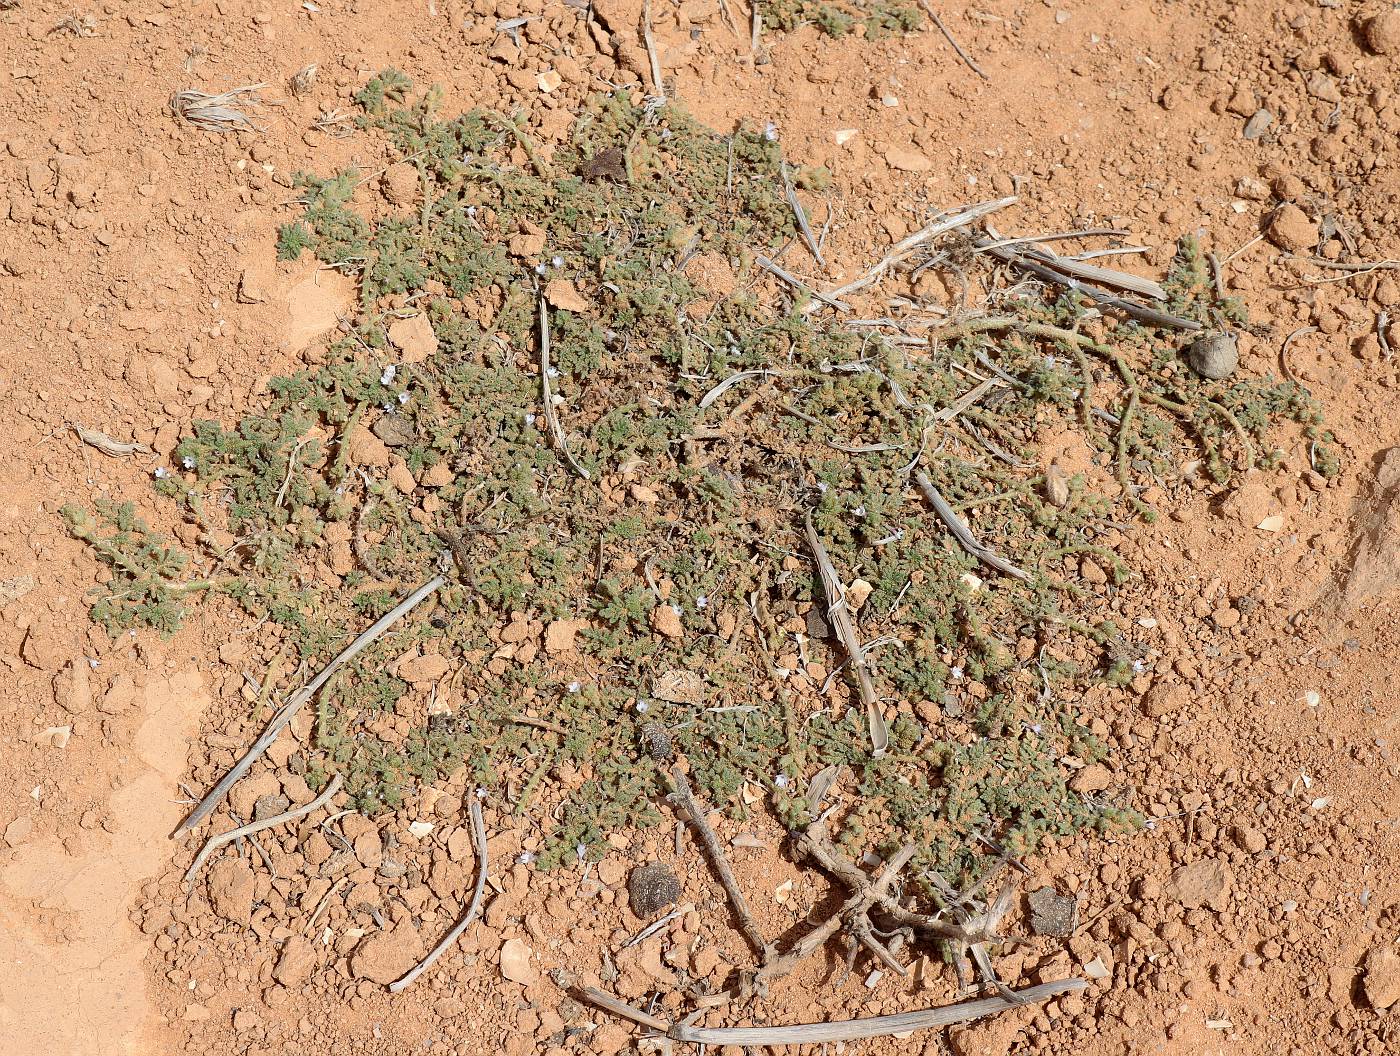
(838, 614)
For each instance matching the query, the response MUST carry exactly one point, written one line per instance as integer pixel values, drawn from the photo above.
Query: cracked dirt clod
(651, 888)
(1052, 913)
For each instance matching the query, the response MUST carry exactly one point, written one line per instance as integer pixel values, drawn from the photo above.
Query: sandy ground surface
(138, 290)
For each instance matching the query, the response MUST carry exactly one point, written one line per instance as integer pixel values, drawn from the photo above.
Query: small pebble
(1213, 356)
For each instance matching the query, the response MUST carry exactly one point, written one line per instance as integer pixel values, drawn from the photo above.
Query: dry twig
(216, 841)
(841, 1030)
(479, 834)
(299, 699)
(947, 34)
(685, 797)
(838, 613)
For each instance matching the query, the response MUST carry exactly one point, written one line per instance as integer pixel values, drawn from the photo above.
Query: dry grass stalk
(215, 842)
(216, 113)
(948, 35)
(299, 699)
(838, 613)
(842, 1030)
(658, 86)
(482, 867)
(551, 415)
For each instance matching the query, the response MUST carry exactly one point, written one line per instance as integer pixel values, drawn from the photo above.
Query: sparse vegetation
(682, 550)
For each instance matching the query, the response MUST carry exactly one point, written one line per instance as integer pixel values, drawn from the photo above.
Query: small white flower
(471, 210)
(574, 687)
(558, 262)
(188, 462)
(677, 610)
(94, 664)
(553, 372)
(821, 487)
(859, 511)
(161, 473)
(387, 378)
(781, 781)
(580, 850)
(481, 793)
(1036, 728)
(1139, 667)
(541, 268)
(525, 858)
(530, 419)
(642, 706)
(956, 673)
(702, 601)
(770, 132)
(403, 397)
(387, 405)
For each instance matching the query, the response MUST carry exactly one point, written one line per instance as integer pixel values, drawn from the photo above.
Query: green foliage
(695, 495)
(146, 588)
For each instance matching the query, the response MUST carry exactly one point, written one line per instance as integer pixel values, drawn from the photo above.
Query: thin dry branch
(962, 533)
(947, 35)
(903, 249)
(299, 699)
(657, 85)
(1057, 270)
(448, 940)
(840, 1030)
(216, 841)
(685, 797)
(838, 613)
(551, 415)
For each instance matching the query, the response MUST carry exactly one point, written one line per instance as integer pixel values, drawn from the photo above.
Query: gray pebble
(1257, 125)
(1213, 356)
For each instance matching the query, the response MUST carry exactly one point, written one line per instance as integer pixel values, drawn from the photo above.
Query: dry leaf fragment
(1272, 523)
(107, 445)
